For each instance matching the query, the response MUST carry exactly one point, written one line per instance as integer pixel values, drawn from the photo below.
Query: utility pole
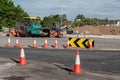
(61, 20)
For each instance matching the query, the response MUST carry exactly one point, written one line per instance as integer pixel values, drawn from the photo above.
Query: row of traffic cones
(46, 44)
(35, 43)
(67, 46)
(22, 59)
(9, 43)
(77, 65)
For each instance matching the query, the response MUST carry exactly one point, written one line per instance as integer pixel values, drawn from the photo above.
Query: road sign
(80, 42)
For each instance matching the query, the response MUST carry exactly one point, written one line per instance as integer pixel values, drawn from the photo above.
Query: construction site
(59, 40)
(98, 30)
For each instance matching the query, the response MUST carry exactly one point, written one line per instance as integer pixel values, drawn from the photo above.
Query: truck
(30, 27)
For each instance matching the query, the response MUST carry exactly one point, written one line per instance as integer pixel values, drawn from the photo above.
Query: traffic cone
(34, 43)
(9, 43)
(56, 44)
(90, 44)
(67, 45)
(45, 44)
(4, 32)
(22, 56)
(77, 66)
(16, 43)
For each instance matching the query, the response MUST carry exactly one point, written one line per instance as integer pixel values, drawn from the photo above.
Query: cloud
(90, 8)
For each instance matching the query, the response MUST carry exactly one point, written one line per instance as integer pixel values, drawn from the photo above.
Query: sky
(89, 8)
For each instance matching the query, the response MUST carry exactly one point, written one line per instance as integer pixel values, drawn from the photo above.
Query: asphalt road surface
(94, 60)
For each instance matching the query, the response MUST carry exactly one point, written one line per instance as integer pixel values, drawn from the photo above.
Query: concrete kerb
(96, 36)
(110, 49)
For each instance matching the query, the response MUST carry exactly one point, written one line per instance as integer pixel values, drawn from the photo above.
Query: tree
(53, 18)
(80, 16)
(10, 14)
(81, 20)
(46, 21)
(64, 17)
(94, 22)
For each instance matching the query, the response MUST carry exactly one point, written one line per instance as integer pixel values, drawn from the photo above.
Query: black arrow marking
(84, 43)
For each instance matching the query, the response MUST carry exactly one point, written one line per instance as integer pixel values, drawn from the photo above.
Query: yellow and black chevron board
(80, 42)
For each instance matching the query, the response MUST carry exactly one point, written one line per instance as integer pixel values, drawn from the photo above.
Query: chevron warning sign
(80, 42)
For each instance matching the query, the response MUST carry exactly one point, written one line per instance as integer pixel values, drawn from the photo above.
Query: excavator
(29, 27)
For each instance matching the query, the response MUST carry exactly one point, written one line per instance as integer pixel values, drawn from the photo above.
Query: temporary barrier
(8, 43)
(16, 43)
(80, 42)
(90, 44)
(77, 66)
(34, 43)
(45, 44)
(22, 56)
(67, 45)
(56, 44)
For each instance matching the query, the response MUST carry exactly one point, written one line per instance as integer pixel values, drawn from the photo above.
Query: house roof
(105, 22)
(67, 22)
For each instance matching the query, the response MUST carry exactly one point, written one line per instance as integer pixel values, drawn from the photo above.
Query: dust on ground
(37, 70)
(98, 30)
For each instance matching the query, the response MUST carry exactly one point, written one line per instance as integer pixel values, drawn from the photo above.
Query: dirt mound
(98, 30)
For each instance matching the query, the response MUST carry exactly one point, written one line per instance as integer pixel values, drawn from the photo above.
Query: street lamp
(61, 20)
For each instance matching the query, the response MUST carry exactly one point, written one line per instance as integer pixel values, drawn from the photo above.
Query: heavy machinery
(29, 26)
(56, 30)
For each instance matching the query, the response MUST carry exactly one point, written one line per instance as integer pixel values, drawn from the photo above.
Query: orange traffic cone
(9, 43)
(90, 44)
(56, 44)
(16, 43)
(4, 32)
(77, 66)
(22, 56)
(67, 45)
(45, 44)
(34, 44)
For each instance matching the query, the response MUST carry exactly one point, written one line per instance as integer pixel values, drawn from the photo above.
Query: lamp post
(61, 21)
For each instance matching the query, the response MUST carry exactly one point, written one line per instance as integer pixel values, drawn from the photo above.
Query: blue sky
(90, 8)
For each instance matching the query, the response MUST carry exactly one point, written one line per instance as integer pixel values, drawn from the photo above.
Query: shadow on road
(64, 68)
(16, 61)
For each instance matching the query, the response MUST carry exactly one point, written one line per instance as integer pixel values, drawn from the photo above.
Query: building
(107, 22)
(67, 23)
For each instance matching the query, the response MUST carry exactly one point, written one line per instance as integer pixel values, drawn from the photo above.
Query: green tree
(46, 21)
(10, 14)
(81, 20)
(80, 17)
(94, 22)
(87, 21)
(64, 17)
(53, 18)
